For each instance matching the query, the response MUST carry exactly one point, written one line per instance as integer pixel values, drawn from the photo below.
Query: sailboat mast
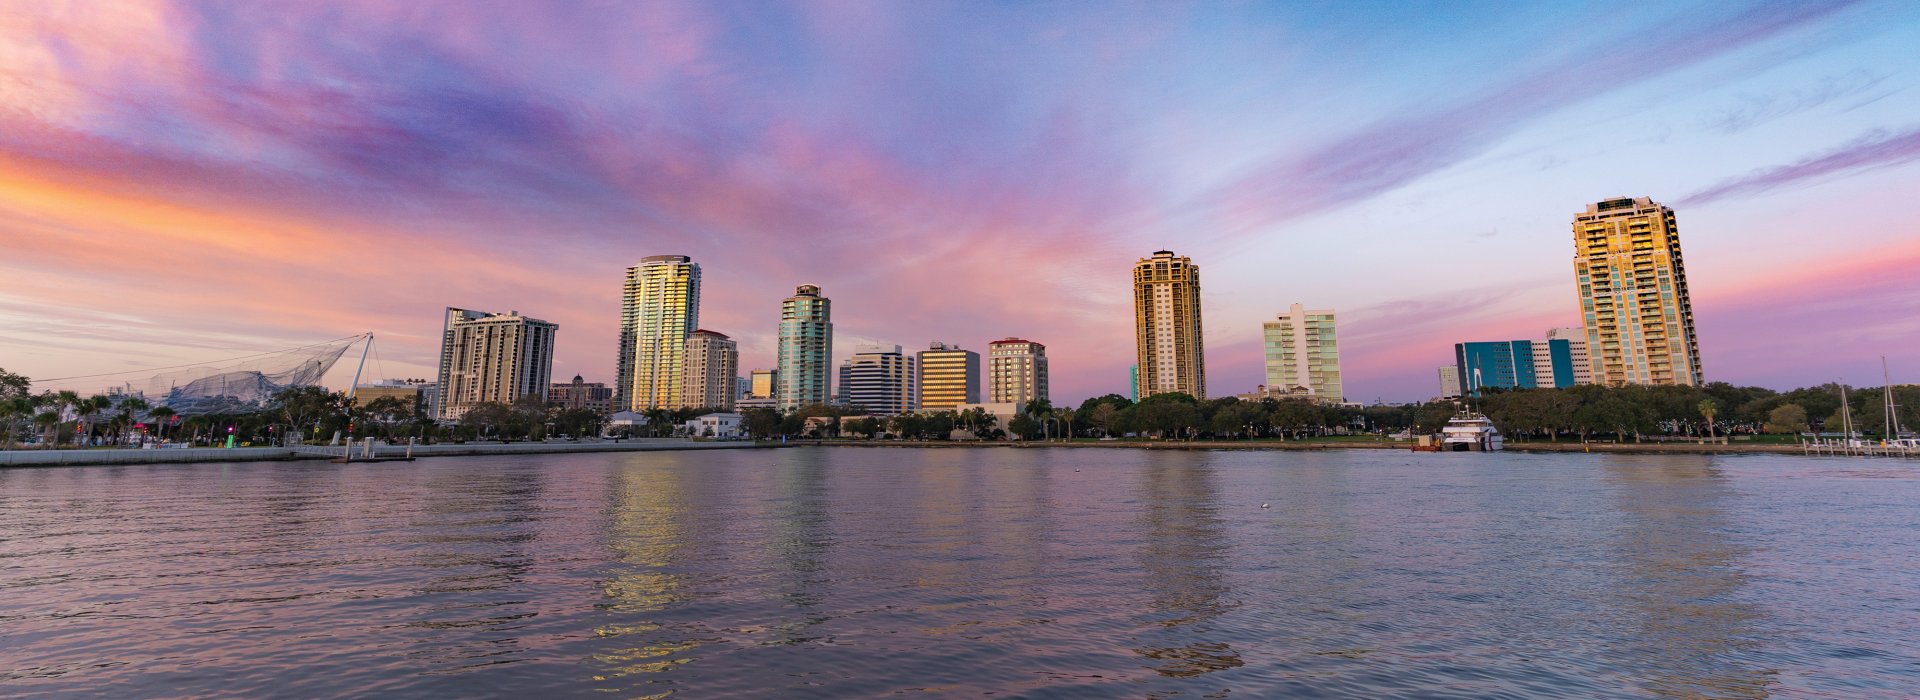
(1893, 410)
(1846, 414)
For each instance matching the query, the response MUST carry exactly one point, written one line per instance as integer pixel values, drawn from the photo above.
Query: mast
(363, 365)
(1893, 410)
(1846, 414)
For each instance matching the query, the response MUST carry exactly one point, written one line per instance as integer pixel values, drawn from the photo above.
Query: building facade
(1513, 364)
(805, 365)
(1450, 381)
(660, 308)
(582, 394)
(1166, 313)
(1016, 371)
(1577, 349)
(762, 383)
(881, 379)
(492, 358)
(1303, 353)
(949, 377)
(713, 364)
(1632, 284)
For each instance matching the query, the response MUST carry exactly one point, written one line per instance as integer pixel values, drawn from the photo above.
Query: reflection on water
(1683, 574)
(834, 573)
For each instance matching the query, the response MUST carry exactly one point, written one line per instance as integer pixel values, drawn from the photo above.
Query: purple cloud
(1875, 149)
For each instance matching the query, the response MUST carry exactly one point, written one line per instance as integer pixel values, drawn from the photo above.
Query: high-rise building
(1016, 371)
(1449, 381)
(1513, 364)
(762, 383)
(806, 349)
(1633, 294)
(880, 379)
(712, 363)
(592, 396)
(1577, 349)
(1303, 354)
(492, 358)
(1133, 382)
(1166, 313)
(949, 377)
(660, 307)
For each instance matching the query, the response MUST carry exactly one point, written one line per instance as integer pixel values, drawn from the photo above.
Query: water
(834, 573)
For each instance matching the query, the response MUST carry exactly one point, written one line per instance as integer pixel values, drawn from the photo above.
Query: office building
(1632, 283)
(407, 390)
(1016, 371)
(1513, 364)
(582, 394)
(660, 308)
(1166, 313)
(949, 377)
(806, 349)
(713, 364)
(1450, 381)
(1303, 355)
(762, 383)
(879, 379)
(1577, 349)
(492, 358)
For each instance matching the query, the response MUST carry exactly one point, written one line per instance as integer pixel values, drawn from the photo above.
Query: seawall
(57, 458)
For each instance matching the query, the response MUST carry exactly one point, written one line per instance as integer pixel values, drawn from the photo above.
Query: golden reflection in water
(1683, 572)
(802, 540)
(1185, 543)
(647, 530)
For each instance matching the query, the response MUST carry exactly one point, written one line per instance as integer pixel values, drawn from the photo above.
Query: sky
(185, 182)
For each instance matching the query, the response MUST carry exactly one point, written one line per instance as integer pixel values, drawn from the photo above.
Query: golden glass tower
(1633, 294)
(1166, 313)
(660, 308)
(949, 376)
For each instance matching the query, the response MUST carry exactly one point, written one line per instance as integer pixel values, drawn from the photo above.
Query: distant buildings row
(1632, 285)
(1628, 269)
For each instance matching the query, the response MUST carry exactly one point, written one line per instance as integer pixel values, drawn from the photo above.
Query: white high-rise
(660, 308)
(1016, 371)
(1303, 354)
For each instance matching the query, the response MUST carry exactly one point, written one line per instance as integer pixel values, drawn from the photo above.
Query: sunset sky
(191, 181)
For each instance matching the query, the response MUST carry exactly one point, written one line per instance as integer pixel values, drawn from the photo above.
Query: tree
(14, 385)
(303, 406)
(1788, 418)
(761, 423)
(49, 424)
(130, 408)
(1102, 416)
(163, 416)
(1708, 409)
(1024, 426)
(87, 408)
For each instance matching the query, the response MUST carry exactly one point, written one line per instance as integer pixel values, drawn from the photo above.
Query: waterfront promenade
(54, 458)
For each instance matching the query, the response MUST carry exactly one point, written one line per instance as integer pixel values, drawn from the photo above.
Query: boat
(1471, 432)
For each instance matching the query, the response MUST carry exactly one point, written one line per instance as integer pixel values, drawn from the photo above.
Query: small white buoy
(1266, 505)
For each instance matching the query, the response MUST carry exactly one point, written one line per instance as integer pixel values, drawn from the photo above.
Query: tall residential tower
(710, 380)
(1633, 294)
(806, 349)
(492, 358)
(1166, 314)
(660, 307)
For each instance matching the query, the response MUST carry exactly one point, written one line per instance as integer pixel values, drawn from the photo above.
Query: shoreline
(1529, 447)
(24, 459)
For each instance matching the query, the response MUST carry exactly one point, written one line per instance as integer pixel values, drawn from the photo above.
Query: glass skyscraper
(806, 349)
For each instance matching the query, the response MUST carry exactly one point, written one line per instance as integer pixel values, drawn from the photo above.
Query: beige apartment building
(710, 381)
(492, 358)
(1303, 354)
(1166, 312)
(1632, 283)
(1016, 371)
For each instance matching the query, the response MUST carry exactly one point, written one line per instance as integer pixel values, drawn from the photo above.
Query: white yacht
(1471, 432)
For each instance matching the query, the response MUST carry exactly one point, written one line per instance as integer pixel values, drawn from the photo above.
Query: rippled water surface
(841, 572)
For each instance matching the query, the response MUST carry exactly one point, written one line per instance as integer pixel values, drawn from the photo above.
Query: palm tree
(68, 400)
(1708, 409)
(12, 410)
(129, 407)
(49, 422)
(88, 408)
(163, 415)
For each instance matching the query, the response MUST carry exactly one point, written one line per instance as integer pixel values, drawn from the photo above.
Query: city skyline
(266, 186)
